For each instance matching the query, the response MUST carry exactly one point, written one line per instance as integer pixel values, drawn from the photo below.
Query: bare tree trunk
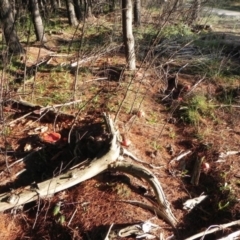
(88, 8)
(37, 21)
(112, 5)
(19, 10)
(128, 38)
(43, 8)
(179, 4)
(196, 6)
(137, 12)
(54, 5)
(10, 34)
(72, 19)
(77, 9)
(59, 3)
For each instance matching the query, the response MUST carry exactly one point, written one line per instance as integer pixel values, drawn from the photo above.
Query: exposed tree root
(90, 169)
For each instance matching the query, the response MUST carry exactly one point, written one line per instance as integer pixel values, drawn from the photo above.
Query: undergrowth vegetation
(196, 109)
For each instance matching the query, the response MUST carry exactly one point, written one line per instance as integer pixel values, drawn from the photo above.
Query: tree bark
(179, 4)
(88, 8)
(59, 3)
(10, 34)
(77, 9)
(112, 5)
(128, 38)
(72, 19)
(196, 6)
(43, 8)
(54, 5)
(37, 21)
(137, 12)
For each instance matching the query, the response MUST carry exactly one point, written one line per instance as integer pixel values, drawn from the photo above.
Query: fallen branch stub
(91, 168)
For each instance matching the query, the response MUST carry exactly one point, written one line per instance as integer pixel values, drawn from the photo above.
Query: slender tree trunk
(43, 8)
(59, 3)
(137, 12)
(88, 8)
(112, 5)
(128, 38)
(72, 19)
(179, 4)
(37, 21)
(10, 34)
(24, 4)
(40, 5)
(18, 10)
(13, 5)
(196, 6)
(77, 9)
(54, 5)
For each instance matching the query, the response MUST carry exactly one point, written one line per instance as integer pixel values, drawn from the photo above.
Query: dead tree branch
(92, 168)
(216, 228)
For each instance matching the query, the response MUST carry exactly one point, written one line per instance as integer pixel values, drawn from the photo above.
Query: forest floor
(189, 105)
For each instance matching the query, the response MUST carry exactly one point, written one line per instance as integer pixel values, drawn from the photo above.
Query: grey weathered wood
(87, 171)
(61, 182)
(146, 174)
(66, 180)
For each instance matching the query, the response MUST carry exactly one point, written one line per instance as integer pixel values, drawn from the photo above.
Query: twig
(169, 117)
(25, 60)
(22, 159)
(215, 229)
(59, 55)
(181, 68)
(37, 213)
(124, 97)
(55, 119)
(179, 157)
(195, 85)
(20, 118)
(91, 58)
(79, 111)
(109, 230)
(75, 211)
(225, 105)
(20, 172)
(76, 76)
(81, 164)
(41, 109)
(176, 159)
(35, 73)
(132, 156)
(61, 105)
(97, 79)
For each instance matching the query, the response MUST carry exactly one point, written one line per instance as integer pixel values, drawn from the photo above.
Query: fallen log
(90, 169)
